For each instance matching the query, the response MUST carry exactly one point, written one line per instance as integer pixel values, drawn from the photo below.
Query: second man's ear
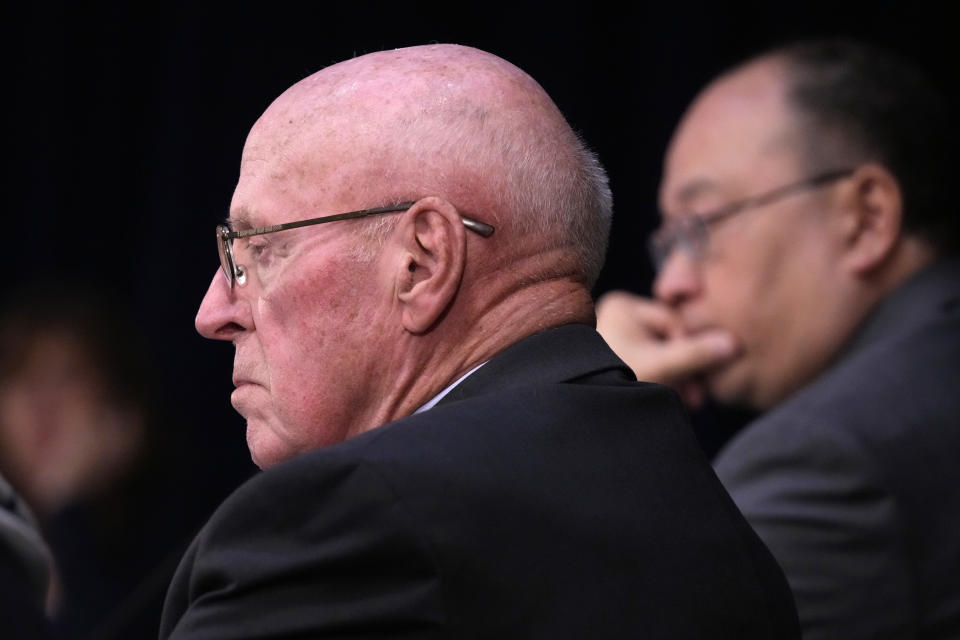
(432, 257)
(876, 218)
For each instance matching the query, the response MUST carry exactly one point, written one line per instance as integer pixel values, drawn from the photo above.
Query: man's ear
(433, 253)
(873, 218)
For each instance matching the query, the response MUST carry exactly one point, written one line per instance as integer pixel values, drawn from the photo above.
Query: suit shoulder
(887, 398)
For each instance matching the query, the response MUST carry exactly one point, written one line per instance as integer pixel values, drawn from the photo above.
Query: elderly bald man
(450, 449)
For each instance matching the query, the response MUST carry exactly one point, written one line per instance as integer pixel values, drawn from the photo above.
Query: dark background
(126, 121)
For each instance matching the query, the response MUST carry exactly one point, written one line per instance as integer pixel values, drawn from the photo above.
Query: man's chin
(266, 450)
(728, 385)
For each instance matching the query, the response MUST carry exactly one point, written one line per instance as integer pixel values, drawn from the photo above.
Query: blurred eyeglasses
(690, 233)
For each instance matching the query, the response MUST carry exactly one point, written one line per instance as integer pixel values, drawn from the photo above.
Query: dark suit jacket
(547, 496)
(24, 570)
(854, 483)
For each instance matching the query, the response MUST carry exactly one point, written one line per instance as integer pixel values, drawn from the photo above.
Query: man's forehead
(737, 132)
(285, 181)
(262, 186)
(311, 133)
(695, 187)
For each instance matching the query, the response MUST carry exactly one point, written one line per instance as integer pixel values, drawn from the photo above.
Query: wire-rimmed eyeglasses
(691, 232)
(236, 273)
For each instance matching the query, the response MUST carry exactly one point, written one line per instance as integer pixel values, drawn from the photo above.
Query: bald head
(449, 121)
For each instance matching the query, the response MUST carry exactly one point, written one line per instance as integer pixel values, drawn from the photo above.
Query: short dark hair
(859, 103)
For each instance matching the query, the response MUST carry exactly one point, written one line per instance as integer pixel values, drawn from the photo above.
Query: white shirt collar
(437, 398)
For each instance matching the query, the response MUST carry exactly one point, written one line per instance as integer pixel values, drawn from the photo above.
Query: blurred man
(86, 441)
(450, 450)
(807, 267)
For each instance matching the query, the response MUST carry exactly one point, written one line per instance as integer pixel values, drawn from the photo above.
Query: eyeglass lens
(688, 234)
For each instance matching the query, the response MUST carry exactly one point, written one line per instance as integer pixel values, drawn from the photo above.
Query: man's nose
(678, 279)
(222, 314)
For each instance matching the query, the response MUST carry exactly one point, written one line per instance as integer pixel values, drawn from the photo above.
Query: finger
(651, 313)
(634, 313)
(682, 358)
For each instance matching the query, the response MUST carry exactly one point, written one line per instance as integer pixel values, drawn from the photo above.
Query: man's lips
(246, 392)
(244, 374)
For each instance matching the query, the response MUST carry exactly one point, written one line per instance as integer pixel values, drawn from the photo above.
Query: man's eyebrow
(239, 220)
(694, 188)
(678, 201)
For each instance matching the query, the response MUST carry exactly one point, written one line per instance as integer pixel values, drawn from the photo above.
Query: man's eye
(250, 249)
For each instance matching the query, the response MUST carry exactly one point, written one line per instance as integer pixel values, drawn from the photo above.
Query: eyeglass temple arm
(480, 228)
(776, 194)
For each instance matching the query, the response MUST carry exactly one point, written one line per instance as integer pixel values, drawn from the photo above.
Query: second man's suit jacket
(854, 483)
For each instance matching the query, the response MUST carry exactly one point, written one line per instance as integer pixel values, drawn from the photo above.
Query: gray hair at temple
(566, 195)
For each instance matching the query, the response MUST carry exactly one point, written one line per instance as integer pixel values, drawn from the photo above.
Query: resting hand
(650, 338)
